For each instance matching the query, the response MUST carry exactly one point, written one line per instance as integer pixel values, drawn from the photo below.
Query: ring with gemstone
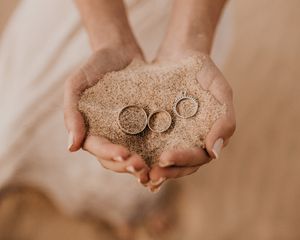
(159, 121)
(183, 99)
(132, 119)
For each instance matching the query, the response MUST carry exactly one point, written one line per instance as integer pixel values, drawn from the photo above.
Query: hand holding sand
(115, 157)
(142, 89)
(191, 32)
(181, 162)
(179, 152)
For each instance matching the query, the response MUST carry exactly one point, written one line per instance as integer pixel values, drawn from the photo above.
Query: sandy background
(253, 192)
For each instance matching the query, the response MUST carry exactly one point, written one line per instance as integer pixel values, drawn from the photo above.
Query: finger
(219, 136)
(159, 175)
(134, 165)
(117, 158)
(225, 126)
(211, 79)
(102, 148)
(73, 119)
(184, 157)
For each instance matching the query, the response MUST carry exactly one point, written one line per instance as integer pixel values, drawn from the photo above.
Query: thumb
(219, 135)
(74, 120)
(211, 79)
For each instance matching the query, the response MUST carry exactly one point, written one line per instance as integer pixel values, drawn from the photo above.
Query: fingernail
(131, 169)
(144, 184)
(70, 140)
(119, 159)
(158, 182)
(218, 147)
(156, 190)
(140, 181)
(165, 164)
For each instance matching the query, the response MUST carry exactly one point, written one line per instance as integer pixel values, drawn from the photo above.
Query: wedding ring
(159, 121)
(132, 119)
(186, 98)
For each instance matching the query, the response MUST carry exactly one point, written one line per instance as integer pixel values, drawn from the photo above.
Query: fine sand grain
(152, 87)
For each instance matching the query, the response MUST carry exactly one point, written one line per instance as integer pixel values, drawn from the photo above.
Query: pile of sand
(151, 87)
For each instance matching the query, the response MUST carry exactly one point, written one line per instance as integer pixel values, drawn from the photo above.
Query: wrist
(176, 48)
(191, 28)
(121, 48)
(113, 37)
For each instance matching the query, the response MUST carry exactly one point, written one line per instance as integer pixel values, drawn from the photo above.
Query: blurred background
(253, 191)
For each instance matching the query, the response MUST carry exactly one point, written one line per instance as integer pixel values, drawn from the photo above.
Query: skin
(111, 53)
(190, 32)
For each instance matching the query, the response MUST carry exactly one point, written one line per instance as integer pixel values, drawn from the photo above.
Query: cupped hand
(114, 157)
(182, 162)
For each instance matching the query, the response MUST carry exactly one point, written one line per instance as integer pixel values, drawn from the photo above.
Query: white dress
(43, 43)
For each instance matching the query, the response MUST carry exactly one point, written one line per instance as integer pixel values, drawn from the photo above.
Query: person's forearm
(192, 25)
(106, 22)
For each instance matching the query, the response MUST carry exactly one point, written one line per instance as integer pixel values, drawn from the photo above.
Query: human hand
(181, 162)
(114, 157)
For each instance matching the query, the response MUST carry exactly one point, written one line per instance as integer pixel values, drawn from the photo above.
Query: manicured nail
(165, 164)
(158, 182)
(131, 169)
(119, 159)
(70, 140)
(140, 181)
(155, 190)
(144, 184)
(218, 147)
